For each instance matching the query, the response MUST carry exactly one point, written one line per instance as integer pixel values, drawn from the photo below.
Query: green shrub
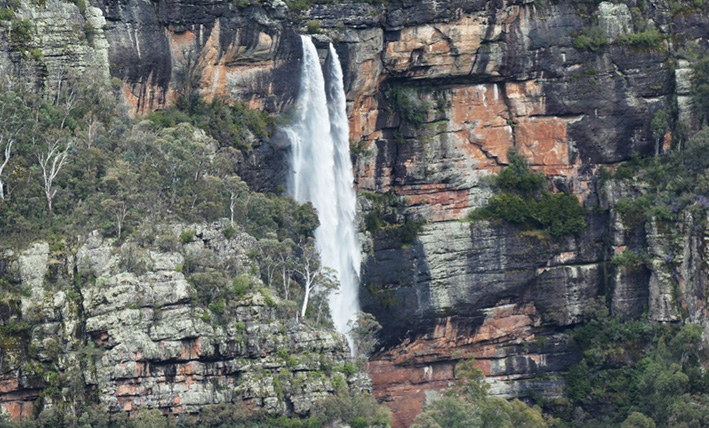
(187, 236)
(313, 26)
(81, 4)
(700, 88)
(6, 14)
(589, 39)
(229, 232)
(349, 369)
(634, 211)
(268, 298)
(407, 104)
(518, 178)
(408, 232)
(627, 258)
(21, 33)
(373, 221)
(218, 306)
(241, 285)
(637, 366)
(232, 125)
(523, 202)
(354, 409)
(167, 242)
(645, 40)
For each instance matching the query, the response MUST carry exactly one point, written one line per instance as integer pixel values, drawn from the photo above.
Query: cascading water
(321, 173)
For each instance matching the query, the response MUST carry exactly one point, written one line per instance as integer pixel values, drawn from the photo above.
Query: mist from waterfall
(321, 173)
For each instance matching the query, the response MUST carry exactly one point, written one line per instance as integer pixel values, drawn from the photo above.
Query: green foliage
(517, 178)
(313, 26)
(298, 5)
(679, 181)
(590, 39)
(81, 4)
(269, 213)
(218, 306)
(649, 39)
(627, 258)
(229, 232)
(123, 173)
(523, 201)
(407, 232)
(700, 86)
(187, 236)
(231, 125)
(637, 420)
(638, 373)
(352, 408)
(6, 14)
(408, 105)
(659, 125)
(241, 285)
(468, 405)
(382, 216)
(21, 32)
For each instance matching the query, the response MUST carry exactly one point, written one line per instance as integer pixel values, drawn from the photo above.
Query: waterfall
(321, 173)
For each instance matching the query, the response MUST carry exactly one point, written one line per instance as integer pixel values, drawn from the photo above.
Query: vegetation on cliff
(75, 162)
(523, 200)
(637, 374)
(678, 181)
(357, 410)
(468, 405)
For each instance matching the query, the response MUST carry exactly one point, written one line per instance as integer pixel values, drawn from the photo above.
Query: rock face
(125, 324)
(438, 92)
(480, 78)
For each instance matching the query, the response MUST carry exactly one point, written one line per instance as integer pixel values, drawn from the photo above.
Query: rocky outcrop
(480, 78)
(155, 52)
(126, 325)
(438, 92)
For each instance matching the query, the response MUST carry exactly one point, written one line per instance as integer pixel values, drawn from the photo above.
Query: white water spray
(321, 172)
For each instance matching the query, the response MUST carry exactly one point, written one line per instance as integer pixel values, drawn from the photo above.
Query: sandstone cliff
(123, 325)
(438, 92)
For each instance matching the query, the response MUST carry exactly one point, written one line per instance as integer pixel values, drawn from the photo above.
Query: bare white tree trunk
(121, 214)
(8, 151)
(305, 301)
(51, 163)
(286, 282)
(232, 206)
(310, 274)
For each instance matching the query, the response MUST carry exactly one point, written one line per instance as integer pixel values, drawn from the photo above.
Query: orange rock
(402, 375)
(432, 50)
(543, 141)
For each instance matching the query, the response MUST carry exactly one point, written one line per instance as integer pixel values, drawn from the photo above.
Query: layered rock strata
(482, 77)
(125, 324)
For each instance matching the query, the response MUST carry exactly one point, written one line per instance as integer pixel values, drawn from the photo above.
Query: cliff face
(438, 92)
(487, 77)
(125, 324)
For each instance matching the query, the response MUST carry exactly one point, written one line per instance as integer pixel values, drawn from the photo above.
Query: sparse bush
(229, 232)
(313, 26)
(645, 40)
(627, 258)
(167, 242)
(590, 39)
(187, 236)
(241, 285)
(407, 104)
(523, 201)
(352, 408)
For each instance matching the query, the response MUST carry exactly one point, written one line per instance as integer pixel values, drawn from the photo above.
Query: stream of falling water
(321, 173)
